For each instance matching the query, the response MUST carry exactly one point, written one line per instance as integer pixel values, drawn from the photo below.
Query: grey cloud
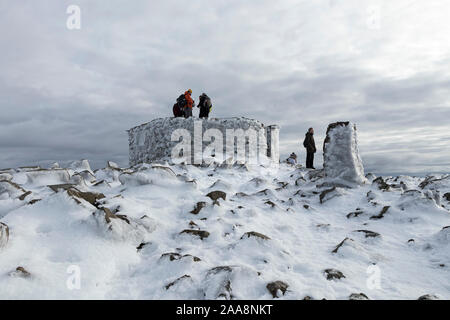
(72, 94)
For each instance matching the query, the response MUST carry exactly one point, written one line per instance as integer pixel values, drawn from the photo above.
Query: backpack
(304, 143)
(176, 111)
(181, 101)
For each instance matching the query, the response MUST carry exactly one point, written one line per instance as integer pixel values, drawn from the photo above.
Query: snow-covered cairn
(341, 159)
(197, 141)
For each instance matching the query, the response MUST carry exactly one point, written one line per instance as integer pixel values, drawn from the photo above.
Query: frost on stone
(160, 140)
(342, 163)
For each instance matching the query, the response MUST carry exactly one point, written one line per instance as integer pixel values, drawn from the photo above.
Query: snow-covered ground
(153, 233)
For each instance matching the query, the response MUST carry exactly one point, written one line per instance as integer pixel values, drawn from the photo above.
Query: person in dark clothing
(310, 146)
(205, 106)
(177, 112)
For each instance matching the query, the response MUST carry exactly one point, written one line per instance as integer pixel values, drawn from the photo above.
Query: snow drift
(192, 232)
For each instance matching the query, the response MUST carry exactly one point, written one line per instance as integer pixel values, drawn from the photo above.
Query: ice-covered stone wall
(219, 140)
(341, 159)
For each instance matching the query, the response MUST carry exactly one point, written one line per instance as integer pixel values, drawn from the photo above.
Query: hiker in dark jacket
(205, 105)
(310, 146)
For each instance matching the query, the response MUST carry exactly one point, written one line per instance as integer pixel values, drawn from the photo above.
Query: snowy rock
(112, 165)
(43, 177)
(173, 256)
(198, 233)
(428, 297)
(330, 194)
(77, 195)
(158, 175)
(382, 185)
(123, 227)
(358, 296)
(369, 234)
(178, 280)
(4, 234)
(215, 195)
(332, 274)
(447, 196)
(218, 283)
(152, 141)
(198, 207)
(20, 272)
(6, 176)
(80, 165)
(277, 286)
(87, 176)
(381, 214)
(342, 163)
(255, 235)
(9, 189)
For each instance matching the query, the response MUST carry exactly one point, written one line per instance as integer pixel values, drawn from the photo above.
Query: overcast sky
(71, 94)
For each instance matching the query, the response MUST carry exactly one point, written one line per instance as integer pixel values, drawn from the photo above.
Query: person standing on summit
(310, 146)
(205, 106)
(189, 104)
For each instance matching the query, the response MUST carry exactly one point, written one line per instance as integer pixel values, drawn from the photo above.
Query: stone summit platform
(199, 141)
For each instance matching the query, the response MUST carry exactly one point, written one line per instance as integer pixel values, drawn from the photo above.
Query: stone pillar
(273, 144)
(342, 163)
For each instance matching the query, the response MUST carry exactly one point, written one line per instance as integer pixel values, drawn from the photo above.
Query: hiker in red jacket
(189, 104)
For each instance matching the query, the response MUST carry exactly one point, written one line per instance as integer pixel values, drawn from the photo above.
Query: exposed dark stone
(428, 297)
(273, 288)
(324, 193)
(427, 181)
(218, 269)
(255, 234)
(176, 256)
(214, 195)
(21, 272)
(186, 276)
(447, 196)
(332, 274)
(198, 207)
(335, 250)
(142, 245)
(192, 224)
(411, 240)
(283, 184)
(109, 215)
(305, 206)
(308, 298)
(31, 202)
(23, 196)
(354, 214)
(172, 256)
(369, 234)
(381, 214)
(382, 185)
(199, 233)
(91, 197)
(270, 203)
(358, 296)
(264, 192)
